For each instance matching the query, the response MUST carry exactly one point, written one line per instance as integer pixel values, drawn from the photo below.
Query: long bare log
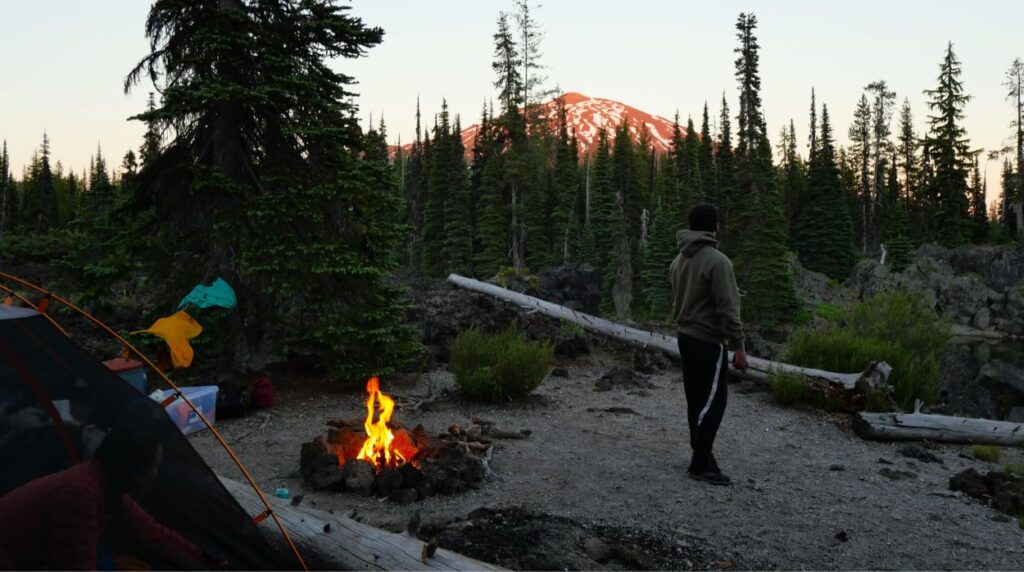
(926, 427)
(759, 370)
(330, 542)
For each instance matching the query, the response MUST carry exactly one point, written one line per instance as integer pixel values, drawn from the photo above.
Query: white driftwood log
(926, 427)
(759, 370)
(346, 544)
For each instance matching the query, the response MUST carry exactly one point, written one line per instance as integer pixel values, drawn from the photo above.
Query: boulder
(650, 362)
(622, 377)
(982, 319)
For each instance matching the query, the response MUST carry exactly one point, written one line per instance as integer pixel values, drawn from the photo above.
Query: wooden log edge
(330, 542)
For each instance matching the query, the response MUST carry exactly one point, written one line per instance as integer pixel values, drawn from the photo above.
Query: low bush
(1014, 468)
(987, 453)
(789, 388)
(498, 367)
(897, 328)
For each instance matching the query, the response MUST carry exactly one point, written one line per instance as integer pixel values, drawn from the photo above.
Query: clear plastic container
(204, 397)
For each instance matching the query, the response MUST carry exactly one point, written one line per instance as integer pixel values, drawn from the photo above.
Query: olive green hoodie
(707, 302)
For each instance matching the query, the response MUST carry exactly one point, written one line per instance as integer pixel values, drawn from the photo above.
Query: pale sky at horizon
(64, 62)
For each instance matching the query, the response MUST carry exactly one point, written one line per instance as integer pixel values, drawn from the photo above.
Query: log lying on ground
(926, 427)
(758, 370)
(331, 542)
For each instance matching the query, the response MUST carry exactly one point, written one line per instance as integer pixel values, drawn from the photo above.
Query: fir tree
(725, 169)
(823, 235)
(1015, 94)
(793, 179)
(948, 146)
(45, 191)
(565, 185)
(441, 175)
(263, 136)
(860, 138)
(151, 140)
(907, 155)
(603, 209)
(660, 248)
(415, 195)
(6, 192)
(458, 241)
(881, 114)
(705, 159)
(978, 207)
(762, 264)
(693, 182)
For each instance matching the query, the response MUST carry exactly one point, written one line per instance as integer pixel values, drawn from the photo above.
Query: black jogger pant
(705, 373)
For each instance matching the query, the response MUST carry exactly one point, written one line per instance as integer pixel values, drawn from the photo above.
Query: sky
(64, 62)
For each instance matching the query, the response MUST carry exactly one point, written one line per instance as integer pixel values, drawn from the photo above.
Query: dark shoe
(712, 477)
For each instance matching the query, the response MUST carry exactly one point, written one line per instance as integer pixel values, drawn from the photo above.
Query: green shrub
(829, 312)
(897, 328)
(877, 401)
(987, 453)
(498, 367)
(570, 329)
(1015, 468)
(789, 388)
(507, 275)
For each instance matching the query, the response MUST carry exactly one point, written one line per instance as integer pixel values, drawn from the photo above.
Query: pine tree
(151, 140)
(458, 242)
(6, 192)
(602, 201)
(907, 156)
(441, 175)
(860, 138)
(978, 207)
(530, 37)
(725, 169)
(948, 146)
(415, 195)
(565, 185)
(823, 236)
(1015, 94)
(45, 191)
(693, 182)
(881, 147)
(793, 179)
(677, 154)
(263, 135)
(660, 248)
(706, 160)
(482, 146)
(762, 263)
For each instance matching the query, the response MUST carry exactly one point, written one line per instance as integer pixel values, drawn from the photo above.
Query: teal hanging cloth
(218, 294)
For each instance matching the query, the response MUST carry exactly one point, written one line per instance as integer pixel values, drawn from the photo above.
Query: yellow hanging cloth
(176, 330)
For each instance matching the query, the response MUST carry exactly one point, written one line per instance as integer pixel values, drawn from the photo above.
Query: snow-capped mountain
(587, 115)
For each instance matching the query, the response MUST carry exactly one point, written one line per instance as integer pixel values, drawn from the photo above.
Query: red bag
(262, 393)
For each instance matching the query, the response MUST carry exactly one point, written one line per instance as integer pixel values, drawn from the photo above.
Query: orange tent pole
(142, 356)
(25, 301)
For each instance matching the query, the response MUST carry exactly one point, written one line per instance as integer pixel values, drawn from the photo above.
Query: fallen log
(945, 428)
(331, 542)
(759, 370)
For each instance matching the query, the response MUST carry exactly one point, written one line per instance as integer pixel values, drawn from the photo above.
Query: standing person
(57, 522)
(707, 313)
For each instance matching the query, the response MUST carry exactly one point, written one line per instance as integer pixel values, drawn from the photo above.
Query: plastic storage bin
(204, 397)
(130, 370)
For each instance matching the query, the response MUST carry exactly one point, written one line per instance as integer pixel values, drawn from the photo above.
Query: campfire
(377, 455)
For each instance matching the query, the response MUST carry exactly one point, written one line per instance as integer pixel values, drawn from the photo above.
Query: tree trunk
(760, 370)
(331, 542)
(925, 427)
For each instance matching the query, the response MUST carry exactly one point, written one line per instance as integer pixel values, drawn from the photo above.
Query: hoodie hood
(691, 241)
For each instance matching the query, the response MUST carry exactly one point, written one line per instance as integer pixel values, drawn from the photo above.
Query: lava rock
(622, 377)
(572, 347)
(359, 477)
(915, 452)
(559, 372)
(894, 475)
(1005, 490)
(596, 549)
(646, 361)
(404, 496)
(577, 286)
(388, 481)
(319, 466)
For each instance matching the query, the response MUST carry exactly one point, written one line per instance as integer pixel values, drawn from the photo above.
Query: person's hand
(739, 360)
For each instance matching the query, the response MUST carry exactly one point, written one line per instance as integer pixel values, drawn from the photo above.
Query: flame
(378, 449)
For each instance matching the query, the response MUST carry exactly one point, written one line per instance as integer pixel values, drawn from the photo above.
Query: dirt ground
(807, 493)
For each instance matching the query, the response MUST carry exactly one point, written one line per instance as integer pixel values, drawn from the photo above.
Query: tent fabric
(176, 330)
(56, 404)
(219, 294)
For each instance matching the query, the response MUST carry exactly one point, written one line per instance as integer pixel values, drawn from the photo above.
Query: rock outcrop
(975, 287)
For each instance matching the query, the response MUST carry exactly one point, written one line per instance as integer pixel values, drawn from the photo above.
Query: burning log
(919, 426)
(373, 455)
(759, 370)
(330, 542)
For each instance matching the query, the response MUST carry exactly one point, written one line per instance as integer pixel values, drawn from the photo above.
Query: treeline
(522, 196)
(525, 199)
